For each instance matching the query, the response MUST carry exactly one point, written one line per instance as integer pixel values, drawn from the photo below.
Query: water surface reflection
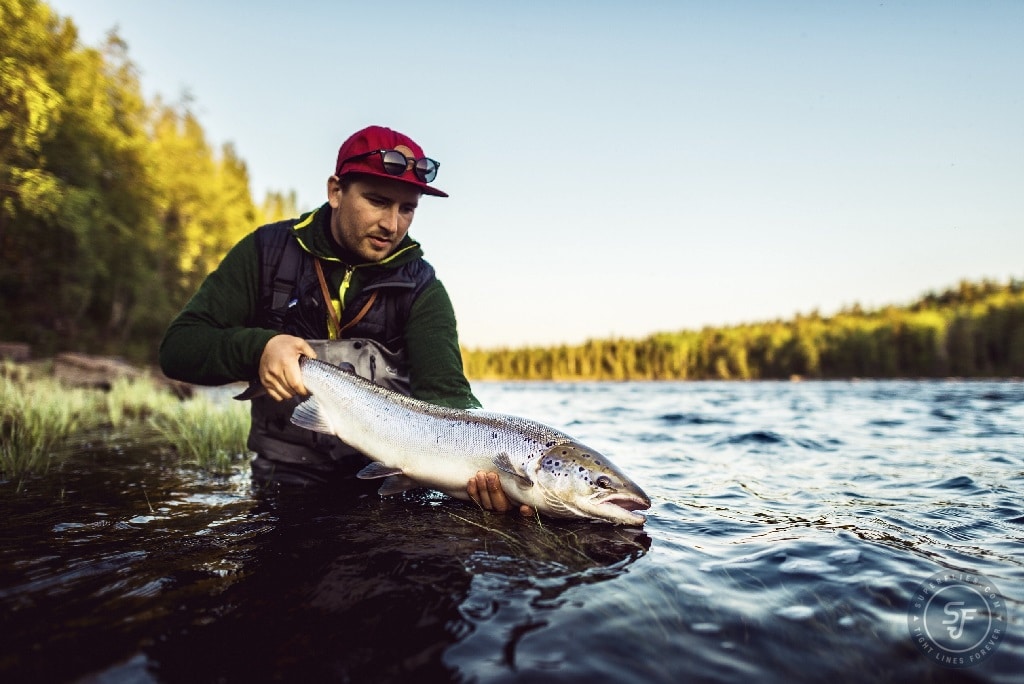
(139, 569)
(792, 525)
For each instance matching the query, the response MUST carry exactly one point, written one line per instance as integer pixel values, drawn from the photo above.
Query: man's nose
(389, 219)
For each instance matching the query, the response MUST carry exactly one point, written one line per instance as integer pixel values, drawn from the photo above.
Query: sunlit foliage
(973, 330)
(112, 208)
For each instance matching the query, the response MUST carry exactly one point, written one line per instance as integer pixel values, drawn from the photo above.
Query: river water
(799, 532)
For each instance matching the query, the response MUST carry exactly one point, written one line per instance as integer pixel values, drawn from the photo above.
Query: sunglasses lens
(394, 162)
(426, 169)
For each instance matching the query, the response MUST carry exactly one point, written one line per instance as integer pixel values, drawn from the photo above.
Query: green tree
(75, 190)
(112, 210)
(975, 329)
(277, 206)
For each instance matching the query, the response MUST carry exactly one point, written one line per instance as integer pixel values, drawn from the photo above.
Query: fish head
(582, 482)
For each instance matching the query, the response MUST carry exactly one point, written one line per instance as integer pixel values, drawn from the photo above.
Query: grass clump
(130, 402)
(209, 435)
(37, 419)
(40, 418)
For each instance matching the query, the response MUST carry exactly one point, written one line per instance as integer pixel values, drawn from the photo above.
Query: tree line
(112, 208)
(971, 330)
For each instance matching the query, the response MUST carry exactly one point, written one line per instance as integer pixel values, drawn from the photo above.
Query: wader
(293, 455)
(294, 299)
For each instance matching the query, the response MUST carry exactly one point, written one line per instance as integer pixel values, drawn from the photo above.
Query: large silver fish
(417, 444)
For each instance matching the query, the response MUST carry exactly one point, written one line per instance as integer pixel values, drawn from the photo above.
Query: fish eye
(604, 482)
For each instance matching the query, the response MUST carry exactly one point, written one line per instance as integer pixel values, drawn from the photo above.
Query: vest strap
(359, 316)
(336, 328)
(331, 313)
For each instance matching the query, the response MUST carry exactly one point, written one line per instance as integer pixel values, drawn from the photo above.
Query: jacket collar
(311, 232)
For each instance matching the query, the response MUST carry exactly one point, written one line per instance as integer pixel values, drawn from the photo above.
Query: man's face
(372, 216)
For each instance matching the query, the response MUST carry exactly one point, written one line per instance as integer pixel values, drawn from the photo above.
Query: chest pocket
(371, 360)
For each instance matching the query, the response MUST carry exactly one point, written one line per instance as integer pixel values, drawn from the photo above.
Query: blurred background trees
(972, 330)
(113, 209)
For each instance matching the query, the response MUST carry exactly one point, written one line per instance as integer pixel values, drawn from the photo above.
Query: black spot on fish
(549, 445)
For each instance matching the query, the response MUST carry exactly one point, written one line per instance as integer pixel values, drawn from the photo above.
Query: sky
(620, 168)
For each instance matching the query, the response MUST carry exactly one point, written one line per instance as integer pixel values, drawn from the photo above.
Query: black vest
(291, 301)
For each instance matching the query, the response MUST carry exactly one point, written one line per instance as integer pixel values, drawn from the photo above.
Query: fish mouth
(627, 506)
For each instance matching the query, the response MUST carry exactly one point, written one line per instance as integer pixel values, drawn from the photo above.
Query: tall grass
(40, 419)
(209, 435)
(133, 402)
(37, 419)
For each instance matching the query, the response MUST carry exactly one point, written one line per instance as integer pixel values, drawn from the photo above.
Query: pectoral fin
(375, 470)
(504, 463)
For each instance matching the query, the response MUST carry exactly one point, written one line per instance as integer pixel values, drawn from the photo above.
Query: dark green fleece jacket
(211, 341)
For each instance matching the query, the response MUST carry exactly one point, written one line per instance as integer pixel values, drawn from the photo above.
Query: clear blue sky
(620, 168)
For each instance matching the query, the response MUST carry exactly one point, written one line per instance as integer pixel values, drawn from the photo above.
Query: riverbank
(88, 371)
(51, 407)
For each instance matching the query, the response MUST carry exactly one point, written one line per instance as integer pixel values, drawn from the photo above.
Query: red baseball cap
(371, 139)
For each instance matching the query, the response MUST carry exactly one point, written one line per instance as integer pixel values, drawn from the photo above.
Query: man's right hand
(485, 489)
(279, 366)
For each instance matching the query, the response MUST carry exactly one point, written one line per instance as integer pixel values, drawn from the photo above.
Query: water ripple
(792, 525)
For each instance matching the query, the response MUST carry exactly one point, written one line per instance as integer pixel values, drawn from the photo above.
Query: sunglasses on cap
(395, 164)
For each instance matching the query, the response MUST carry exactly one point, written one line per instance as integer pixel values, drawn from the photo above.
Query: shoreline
(87, 371)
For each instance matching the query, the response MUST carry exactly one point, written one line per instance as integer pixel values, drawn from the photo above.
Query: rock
(98, 372)
(19, 352)
(75, 369)
(85, 370)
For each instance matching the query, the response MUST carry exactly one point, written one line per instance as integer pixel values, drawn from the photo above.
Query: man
(344, 282)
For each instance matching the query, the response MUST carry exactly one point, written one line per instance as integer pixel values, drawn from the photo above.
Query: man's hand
(279, 366)
(485, 489)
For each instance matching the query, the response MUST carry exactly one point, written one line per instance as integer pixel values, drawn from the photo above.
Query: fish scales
(413, 429)
(416, 443)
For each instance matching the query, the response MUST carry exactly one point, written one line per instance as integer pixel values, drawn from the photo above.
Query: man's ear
(334, 191)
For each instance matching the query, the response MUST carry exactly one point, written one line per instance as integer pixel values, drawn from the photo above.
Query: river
(814, 531)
